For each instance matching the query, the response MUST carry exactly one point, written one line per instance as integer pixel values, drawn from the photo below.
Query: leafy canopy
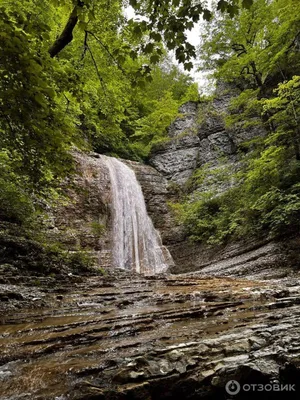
(258, 51)
(71, 76)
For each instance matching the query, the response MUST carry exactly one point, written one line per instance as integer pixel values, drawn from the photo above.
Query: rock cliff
(124, 337)
(197, 138)
(84, 221)
(200, 138)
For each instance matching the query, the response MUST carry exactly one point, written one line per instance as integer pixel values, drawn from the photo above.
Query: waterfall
(136, 244)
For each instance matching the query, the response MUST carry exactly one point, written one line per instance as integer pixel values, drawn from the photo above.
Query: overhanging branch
(67, 34)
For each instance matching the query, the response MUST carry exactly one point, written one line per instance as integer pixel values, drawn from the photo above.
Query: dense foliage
(257, 51)
(71, 76)
(80, 74)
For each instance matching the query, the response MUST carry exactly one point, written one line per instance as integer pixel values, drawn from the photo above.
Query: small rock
(257, 342)
(5, 374)
(175, 355)
(239, 347)
(136, 375)
(207, 373)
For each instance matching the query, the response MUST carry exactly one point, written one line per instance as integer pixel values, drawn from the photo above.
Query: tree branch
(68, 103)
(95, 65)
(107, 50)
(85, 45)
(257, 75)
(294, 42)
(67, 34)
(239, 48)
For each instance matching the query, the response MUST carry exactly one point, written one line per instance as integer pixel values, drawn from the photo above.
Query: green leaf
(171, 45)
(207, 15)
(141, 84)
(232, 10)
(188, 66)
(133, 3)
(155, 36)
(137, 30)
(121, 58)
(91, 15)
(148, 48)
(247, 3)
(149, 78)
(222, 5)
(154, 59)
(180, 57)
(82, 25)
(133, 54)
(39, 98)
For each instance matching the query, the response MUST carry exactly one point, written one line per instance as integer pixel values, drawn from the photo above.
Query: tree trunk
(67, 34)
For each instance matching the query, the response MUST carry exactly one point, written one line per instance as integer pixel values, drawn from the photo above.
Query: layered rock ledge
(122, 336)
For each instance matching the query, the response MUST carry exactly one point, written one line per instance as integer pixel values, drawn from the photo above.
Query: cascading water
(136, 244)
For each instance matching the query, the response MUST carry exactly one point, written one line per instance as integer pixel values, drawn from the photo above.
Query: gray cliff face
(178, 158)
(84, 222)
(199, 137)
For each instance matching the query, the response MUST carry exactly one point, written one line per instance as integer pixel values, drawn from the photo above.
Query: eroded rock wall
(199, 138)
(258, 259)
(84, 221)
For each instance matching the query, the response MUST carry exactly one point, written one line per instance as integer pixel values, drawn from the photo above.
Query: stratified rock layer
(178, 158)
(199, 138)
(125, 337)
(89, 208)
(84, 221)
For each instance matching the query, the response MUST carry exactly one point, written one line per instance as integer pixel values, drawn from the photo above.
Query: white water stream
(136, 244)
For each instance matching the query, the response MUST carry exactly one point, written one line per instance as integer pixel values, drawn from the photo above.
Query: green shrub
(79, 260)
(97, 228)
(15, 204)
(265, 200)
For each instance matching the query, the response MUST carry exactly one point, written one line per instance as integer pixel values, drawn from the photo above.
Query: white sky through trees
(194, 38)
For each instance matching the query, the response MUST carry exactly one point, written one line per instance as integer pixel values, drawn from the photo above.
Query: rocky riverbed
(122, 336)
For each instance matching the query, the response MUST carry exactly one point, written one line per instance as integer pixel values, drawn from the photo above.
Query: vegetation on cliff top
(257, 51)
(73, 74)
(79, 73)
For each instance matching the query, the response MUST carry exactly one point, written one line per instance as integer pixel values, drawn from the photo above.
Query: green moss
(98, 229)
(101, 271)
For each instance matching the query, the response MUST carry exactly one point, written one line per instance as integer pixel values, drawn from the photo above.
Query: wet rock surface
(259, 259)
(177, 159)
(199, 137)
(123, 336)
(84, 221)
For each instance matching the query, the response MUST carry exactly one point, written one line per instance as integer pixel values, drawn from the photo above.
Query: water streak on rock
(136, 244)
